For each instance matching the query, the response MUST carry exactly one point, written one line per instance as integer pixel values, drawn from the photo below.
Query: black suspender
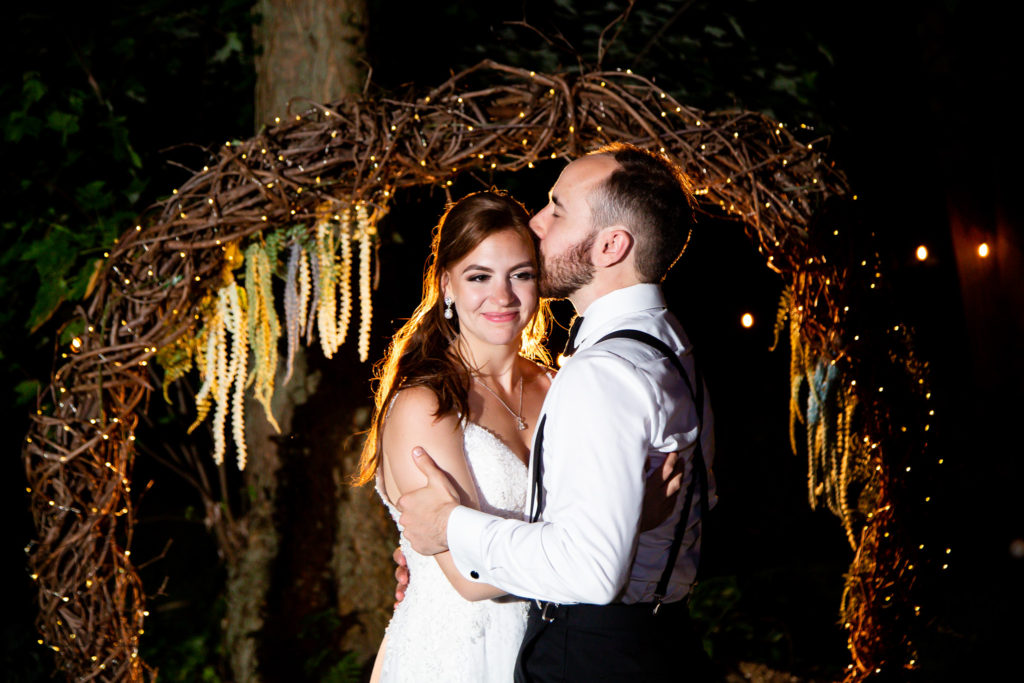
(700, 466)
(537, 502)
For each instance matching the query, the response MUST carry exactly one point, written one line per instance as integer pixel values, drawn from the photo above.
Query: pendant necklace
(520, 423)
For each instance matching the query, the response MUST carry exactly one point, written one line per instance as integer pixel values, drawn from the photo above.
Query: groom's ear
(612, 246)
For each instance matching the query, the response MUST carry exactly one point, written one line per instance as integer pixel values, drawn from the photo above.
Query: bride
(464, 378)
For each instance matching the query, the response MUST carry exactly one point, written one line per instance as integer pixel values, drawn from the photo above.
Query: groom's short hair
(651, 196)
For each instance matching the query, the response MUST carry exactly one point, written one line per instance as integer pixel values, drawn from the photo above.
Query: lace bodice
(436, 635)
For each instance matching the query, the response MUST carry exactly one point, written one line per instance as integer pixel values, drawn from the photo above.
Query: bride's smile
(494, 289)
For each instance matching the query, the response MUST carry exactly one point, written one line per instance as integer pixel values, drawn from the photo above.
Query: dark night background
(919, 99)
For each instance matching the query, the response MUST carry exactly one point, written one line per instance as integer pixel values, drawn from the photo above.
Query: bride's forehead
(503, 245)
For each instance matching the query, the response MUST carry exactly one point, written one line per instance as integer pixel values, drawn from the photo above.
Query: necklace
(520, 423)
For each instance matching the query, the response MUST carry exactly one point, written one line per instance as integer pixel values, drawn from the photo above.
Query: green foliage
(327, 664)
(187, 647)
(717, 608)
(347, 670)
(707, 54)
(92, 96)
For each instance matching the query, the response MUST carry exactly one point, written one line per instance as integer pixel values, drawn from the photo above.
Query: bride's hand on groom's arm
(661, 491)
(401, 575)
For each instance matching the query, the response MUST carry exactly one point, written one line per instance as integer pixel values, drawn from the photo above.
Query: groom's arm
(428, 510)
(595, 449)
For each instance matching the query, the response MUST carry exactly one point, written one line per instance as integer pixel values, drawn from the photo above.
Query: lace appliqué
(436, 635)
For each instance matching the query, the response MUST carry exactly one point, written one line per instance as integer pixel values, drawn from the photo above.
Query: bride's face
(494, 288)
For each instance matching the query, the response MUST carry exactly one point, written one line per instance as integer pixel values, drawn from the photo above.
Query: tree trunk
(309, 49)
(281, 622)
(251, 577)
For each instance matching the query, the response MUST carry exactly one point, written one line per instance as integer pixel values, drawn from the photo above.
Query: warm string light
(876, 444)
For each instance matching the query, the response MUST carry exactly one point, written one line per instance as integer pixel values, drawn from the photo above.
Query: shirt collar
(616, 304)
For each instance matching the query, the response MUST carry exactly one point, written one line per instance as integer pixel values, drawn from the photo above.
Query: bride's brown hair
(420, 353)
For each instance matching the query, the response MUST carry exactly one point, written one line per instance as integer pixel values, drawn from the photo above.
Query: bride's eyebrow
(486, 269)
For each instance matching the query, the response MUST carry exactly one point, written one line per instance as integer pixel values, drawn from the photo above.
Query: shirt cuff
(466, 528)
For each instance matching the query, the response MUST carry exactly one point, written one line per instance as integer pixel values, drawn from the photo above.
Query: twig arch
(302, 173)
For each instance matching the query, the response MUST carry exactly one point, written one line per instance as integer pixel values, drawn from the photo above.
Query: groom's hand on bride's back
(425, 511)
(661, 491)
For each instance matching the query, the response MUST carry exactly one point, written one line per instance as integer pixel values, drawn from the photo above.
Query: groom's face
(565, 227)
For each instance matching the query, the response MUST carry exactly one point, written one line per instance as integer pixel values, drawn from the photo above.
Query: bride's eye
(481, 277)
(523, 275)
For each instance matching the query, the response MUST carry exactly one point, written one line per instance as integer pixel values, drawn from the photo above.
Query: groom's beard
(560, 276)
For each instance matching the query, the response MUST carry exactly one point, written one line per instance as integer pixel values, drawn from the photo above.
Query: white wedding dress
(435, 634)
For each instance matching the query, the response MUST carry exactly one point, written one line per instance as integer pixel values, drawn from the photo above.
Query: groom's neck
(604, 282)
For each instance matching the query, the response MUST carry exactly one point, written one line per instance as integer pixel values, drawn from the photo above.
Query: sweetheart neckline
(497, 439)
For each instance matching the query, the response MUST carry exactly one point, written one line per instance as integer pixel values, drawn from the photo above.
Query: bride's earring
(448, 301)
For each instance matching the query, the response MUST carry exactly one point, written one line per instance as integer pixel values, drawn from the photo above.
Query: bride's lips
(501, 317)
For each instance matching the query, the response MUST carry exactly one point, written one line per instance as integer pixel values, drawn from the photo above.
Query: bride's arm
(378, 662)
(411, 423)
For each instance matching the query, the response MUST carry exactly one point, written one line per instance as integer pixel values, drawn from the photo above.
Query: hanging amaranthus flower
(206, 361)
(221, 379)
(176, 360)
(848, 454)
(345, 275)
(238, 326)
(365, 235)
(304, 287)
(291, 307)
(264, 328)
(327, 303)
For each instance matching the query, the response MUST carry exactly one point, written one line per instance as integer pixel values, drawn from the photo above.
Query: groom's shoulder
(604, 362)
(658, 323)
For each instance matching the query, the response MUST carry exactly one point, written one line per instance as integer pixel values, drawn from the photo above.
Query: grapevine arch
(309, 190)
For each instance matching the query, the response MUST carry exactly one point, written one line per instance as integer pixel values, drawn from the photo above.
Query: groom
(608, 600)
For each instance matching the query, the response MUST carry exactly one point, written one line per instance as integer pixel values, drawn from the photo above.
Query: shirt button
(474, 574)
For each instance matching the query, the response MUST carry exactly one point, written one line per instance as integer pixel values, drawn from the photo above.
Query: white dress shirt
(612, 414)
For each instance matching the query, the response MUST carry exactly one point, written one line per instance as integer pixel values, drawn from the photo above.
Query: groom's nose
(539, 223)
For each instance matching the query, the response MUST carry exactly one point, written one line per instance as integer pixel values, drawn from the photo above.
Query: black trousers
(616, 642)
